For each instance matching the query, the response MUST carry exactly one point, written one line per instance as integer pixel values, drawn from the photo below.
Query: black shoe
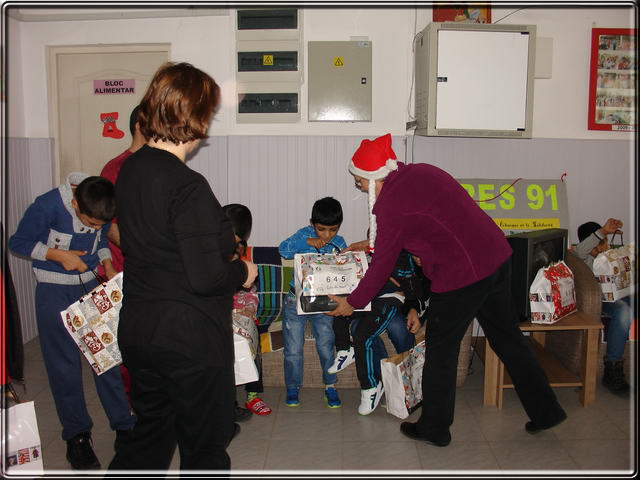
(533, 427)
(80, 453)
(613, 378)
(241, 414)
(410, 430)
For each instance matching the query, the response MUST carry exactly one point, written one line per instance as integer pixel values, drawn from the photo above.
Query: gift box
(92, 322)
(316, 276)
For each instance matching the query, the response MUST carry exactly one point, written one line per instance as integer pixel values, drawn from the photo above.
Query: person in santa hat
(424, 210)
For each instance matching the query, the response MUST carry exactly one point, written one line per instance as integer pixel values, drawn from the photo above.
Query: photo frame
(462, 12)
(612, 82)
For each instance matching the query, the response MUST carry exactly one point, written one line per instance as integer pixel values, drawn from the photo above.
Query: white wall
(560, 103)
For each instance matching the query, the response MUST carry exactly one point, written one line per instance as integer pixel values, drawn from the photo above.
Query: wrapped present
(615, 271)
(92, 322)
(316, 276)
(552, 294)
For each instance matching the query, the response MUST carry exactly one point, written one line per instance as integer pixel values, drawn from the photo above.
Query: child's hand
(612, 226)
(316, 242)
(109, 271)
(413, 321)
(69, 259)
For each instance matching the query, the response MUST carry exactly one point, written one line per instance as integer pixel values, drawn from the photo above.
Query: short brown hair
(178, 104)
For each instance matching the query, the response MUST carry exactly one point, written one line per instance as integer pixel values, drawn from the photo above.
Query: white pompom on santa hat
(373, 160)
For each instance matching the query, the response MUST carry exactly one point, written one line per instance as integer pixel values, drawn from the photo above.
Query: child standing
(64, 232)
(245, 308)
(319, 237)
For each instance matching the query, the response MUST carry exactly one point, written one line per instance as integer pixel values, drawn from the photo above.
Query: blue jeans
(620, 312)
(293, 336)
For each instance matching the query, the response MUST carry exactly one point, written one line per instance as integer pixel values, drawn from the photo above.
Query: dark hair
(178, 104)
(133, 119)
(327, 211)
(241, 220)
(587, 229)
(96, 197)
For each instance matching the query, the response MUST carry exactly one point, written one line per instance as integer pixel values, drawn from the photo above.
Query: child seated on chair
(321, 236)
(244, 313)
(593, 241)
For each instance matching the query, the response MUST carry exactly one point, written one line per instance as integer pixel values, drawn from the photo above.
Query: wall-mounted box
(269, 24)
(277, 102)
(269, 61)
(340, 81)
(475, 80)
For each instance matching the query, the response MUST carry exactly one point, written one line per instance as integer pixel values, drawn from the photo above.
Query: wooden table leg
(590, 367)
(491, 370)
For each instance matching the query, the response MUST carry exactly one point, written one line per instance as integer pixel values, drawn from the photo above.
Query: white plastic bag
(244, 366)
(552, 294)
(20, 440)
(402, 380)
(615, 271)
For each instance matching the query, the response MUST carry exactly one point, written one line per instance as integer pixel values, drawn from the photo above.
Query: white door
(93, 90)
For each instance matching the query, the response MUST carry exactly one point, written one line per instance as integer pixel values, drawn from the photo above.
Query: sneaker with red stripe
(258, 407)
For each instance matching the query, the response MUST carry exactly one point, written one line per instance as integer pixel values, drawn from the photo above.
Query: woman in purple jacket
(424, 210)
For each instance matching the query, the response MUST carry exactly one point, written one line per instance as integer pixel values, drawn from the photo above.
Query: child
(245, 307)
(64, 232)
(391, 304)
(593, 241)
(321, 236)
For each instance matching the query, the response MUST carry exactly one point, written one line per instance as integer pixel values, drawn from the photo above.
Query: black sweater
(176, 240)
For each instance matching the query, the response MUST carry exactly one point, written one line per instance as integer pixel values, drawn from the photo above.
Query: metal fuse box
(340, 81)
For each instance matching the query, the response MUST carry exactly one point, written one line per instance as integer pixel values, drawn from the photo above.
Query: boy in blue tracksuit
(64, 232)
(319, 237)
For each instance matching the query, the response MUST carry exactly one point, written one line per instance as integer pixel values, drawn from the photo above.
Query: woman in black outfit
(175, 323)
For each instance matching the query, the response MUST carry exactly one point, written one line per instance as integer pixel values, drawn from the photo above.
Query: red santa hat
(373, 160)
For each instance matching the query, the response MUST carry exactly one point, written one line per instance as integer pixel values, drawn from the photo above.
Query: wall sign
(102, 87)
(522, 205)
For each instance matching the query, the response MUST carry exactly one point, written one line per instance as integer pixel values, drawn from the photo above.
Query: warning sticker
(267, 60)
(338, 61)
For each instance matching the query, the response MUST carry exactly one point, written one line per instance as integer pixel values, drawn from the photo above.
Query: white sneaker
(370, 398)
(343, 359)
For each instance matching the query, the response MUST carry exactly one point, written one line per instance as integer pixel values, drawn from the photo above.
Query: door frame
(52, 53)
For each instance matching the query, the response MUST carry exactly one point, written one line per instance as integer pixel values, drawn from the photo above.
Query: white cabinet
(474, 80)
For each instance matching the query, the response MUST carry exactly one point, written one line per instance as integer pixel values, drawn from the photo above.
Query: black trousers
(178, 401)
(448, 317)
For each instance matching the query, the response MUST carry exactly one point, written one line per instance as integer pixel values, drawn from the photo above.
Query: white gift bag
(92, 322)
(317, 275)
(244, 367)
(20, 441)
(402, 380)
(552, 294)
(615, 271)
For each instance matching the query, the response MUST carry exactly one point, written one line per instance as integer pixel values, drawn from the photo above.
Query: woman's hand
(343, 309)
(361, 246)
(252, 273)
(413, 321)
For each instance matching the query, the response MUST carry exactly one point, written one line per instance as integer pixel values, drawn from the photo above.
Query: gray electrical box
(340, 81)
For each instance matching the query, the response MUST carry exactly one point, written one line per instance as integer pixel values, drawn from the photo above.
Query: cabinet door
(482, 80)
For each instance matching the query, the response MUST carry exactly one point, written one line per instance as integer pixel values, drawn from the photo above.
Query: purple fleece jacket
(424, 210)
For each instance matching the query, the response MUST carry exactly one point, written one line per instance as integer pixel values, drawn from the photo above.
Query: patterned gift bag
(92, 322)
(552, 294)
(615, 271)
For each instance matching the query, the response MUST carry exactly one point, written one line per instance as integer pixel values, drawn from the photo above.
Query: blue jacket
(51, 222)
(297, 243)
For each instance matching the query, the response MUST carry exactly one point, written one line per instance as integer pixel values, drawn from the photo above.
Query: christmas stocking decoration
(110, 129)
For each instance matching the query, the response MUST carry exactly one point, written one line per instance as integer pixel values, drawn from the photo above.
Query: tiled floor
(313, 437)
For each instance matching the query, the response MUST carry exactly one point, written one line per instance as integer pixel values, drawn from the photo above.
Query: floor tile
(536, 455)
(458, 456)
(601, 455)
(309, 455)
(248, 452)
(586, 424)
(308, 426)
(379, 455)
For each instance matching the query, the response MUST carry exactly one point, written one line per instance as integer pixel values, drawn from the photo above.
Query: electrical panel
(269, 60)
(475, 80)
(340, 81)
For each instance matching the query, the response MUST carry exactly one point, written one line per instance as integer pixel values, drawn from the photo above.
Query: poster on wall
(462, 12)
(612, 82)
